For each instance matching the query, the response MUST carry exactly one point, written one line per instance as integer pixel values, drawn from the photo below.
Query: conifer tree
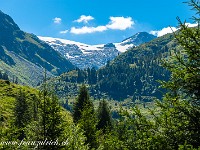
(93, 76)
(84, 116)
(181, 107)
(103, 116)
(51, 121)
(1, 75)
(21, 111)
(88, 123)
(82, 100)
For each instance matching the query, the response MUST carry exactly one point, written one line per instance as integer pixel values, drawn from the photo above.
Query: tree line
(176, 126)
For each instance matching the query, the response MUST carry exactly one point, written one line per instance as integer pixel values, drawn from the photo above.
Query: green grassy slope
(23, 55)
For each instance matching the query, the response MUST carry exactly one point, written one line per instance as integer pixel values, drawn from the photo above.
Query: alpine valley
(130, 68)
(142, 93)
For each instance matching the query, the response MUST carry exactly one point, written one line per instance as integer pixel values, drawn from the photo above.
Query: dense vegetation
(133, 74)
(28, 115)
(31, 115)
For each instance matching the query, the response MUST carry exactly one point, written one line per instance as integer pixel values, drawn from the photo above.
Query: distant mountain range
(25, 56)
(84, 55)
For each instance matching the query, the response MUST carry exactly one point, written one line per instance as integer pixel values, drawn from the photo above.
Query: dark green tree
(1, 75)
(88, 124)
(21, 111)
(84, 116)
(5, 76)
(51, 120)
(181, 107)
(35, 108)
(80, 77)
(93, 76)
(104, 116)
(82, 100)
(89, 75)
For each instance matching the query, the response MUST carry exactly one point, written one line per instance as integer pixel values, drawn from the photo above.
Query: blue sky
(95, 21)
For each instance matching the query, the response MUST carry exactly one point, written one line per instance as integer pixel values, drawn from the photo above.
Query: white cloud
(116, 23)
(57, 20)
(63, 32)
(84, 19)
(120, 23)
(163, 31)
(191, 25)
(170, 30)
(86, 29)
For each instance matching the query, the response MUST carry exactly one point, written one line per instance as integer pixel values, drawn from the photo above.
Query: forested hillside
(31, 115)
(33, 118)
(137, 71)
(133, 74)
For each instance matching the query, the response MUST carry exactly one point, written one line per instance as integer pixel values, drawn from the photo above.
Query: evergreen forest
(87, 109)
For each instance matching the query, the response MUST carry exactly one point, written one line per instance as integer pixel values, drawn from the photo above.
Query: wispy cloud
(115, 23)
(84, 19)
(120, 23)
(167, 30)
(85, 29)
(63, 32)
(57, 20)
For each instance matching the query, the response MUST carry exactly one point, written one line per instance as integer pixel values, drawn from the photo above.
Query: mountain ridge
(84, 55)
(16, 45)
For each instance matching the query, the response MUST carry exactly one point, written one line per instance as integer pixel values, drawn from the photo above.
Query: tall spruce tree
(82, 100)
(51, 120)
(181, 107)
(21, 111)
(84, 116)
(103, 116)
(1, 75)
(88, 123)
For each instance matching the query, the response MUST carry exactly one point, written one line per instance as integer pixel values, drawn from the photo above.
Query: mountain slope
(138, 38)
(133, 74)
(21, 51)
(84, 55)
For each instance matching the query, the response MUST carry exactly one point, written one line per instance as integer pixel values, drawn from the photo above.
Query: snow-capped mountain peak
(63, 42)
(85, 55)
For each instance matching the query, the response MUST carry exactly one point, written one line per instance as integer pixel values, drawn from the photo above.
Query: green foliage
(104, 116)
(88, 124)
(82, 100)
(84, 116)
(22, 114)
(184, 96)
(74, 138)
(176, 126)
(51, 122)
(132, 74)
(58, 125)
